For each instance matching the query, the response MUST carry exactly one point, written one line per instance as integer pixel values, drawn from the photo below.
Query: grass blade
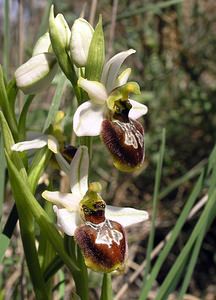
(192, 264)
(2, 175)
(174, 235)
(30, 204)
(187, 248)
(155, 204)
(56, 102)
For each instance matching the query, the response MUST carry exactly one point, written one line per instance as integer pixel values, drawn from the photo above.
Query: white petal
(64, 165)
(37, 143)
(112, 67)
(66, 200)
(126, 216)
(137, 110)
(96, 90)
(123, 78)
(79, 172)
(67, 221)
(53, 144)
(87, 119)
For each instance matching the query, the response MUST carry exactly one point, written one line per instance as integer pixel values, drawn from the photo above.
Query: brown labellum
(103, 245)
(125, 141)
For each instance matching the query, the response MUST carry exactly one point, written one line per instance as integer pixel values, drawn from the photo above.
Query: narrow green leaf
(55, 102)
(192, 263)
(12, 90)
(27, 229)
(106, 290)
(188, 246)
(22, 192)
(39, 163)
(212, 159)
(2, 175)
(53, 267)
(23, 116)
(174, 235)
(96, 54)
(8, 142)
(5, 106)
(155, 205)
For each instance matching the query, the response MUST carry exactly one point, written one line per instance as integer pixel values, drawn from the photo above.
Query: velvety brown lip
(114, 137)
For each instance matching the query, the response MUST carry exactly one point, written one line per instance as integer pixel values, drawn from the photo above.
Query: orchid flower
(41, 141)
(81, 214)
(110, 113)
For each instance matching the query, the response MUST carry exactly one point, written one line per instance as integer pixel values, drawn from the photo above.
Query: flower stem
(106, 290)
(80, 277)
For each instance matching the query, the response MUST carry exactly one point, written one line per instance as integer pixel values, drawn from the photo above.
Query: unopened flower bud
(37, 73)
(125, 141)
(81, 36)
(59, 31)
(42, 45)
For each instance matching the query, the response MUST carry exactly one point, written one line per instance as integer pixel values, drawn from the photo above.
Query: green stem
(81, 276)
(28, 239)
(106, 290)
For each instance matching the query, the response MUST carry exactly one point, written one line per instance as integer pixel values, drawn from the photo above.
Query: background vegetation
(175, 65)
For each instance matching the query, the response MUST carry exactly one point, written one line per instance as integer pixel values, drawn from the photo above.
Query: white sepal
(37, 143)
(79, 172)
(112, 67)
(64, 165)
(87, 119)
(126, 216)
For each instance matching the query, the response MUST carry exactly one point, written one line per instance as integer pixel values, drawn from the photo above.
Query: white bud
(37, 73)
(81, 36)
(64, 32)
(42, 45)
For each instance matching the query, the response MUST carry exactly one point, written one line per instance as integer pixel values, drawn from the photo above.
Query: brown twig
(112, 28)
(92, 12)
(21, 45)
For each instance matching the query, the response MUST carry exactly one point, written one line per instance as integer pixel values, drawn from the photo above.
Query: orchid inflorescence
(105, 109)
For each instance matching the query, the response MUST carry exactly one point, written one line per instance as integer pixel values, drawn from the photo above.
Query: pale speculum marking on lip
(132, 136)
(106, 234)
